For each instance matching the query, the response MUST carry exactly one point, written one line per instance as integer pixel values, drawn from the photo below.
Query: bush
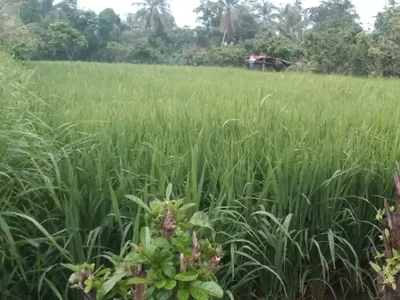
(230, 56)
(275, 46)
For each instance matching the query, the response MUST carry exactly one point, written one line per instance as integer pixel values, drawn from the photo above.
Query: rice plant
(289, 167)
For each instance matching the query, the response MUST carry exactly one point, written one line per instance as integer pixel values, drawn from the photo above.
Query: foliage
(286, 167)
(275, 46)
(170, 261)
(65, 39)
(153, 14)
(327, 38)
(231, 56)
(12, 32)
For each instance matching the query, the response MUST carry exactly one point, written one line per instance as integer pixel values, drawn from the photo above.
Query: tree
(30, 11)
(13, 34)
(387, 38)
(265, 12)
(229, 19)
(88, 23)
(290, 21)
(334, 14)
(65, 39)
(331, 43)
(153, 14)
(109, 25)
(209, 14)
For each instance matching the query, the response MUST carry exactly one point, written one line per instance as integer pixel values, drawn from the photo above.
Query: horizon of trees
(327, 38)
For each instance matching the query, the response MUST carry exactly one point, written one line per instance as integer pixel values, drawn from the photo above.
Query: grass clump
(287, 166)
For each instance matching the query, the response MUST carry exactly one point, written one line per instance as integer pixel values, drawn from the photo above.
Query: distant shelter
(264, 62)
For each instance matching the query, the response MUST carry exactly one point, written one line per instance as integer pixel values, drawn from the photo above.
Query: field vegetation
(290, 168)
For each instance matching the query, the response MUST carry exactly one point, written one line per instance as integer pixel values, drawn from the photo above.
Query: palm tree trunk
(223, 39)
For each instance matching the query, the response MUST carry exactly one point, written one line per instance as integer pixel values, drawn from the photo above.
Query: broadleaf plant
(170, 262)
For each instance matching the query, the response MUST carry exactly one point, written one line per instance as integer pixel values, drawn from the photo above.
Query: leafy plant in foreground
(388, 273)
(170, 261)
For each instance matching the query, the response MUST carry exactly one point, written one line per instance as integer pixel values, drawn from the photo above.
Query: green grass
(290, 168)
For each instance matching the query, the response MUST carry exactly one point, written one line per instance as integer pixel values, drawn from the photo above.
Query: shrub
(170, 262)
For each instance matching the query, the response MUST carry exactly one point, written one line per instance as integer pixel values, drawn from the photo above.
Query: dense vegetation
(290, 168)
(289, 172)
(327, 38)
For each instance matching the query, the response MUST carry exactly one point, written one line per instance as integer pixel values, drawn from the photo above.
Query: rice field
(290, 168)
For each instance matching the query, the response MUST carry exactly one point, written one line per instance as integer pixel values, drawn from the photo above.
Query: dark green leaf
(160, 284)
(149, 292)
(164, 295)
(211, 288)
(187, 276)
(198, 294)
(155, 275)
(169, 271)
(170, 284)
(162, 243)
(183, 295)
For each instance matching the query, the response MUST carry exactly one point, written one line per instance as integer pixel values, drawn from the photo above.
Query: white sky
(183, 9)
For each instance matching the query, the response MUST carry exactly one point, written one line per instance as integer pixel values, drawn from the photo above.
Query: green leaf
(160, 284)
(164, 295)
(198, 294)
(211, 288)
(88, 287)
(184, 208)
(154, 203)
(110, 283)
(201, 219)
(187, 276)
(230, 295)
(162, 243)
(155, 275)
(102, 272)
(145, 237)
(71, 267)
(149, 292)
(139, 202)
(169, 271)
(168, 192)
(139, 280)
(395, 253)
(74, 278)
(183, 294)
(170, 284)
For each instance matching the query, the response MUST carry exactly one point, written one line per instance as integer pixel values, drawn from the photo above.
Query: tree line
(328, 38)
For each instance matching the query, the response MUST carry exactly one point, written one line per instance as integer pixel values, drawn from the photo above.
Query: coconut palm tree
(153, 13)
(290, 22)
(267, 12)
(230, 18)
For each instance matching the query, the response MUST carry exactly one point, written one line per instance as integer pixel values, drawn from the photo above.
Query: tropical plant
(153, 14)
(267, 13)
(230, 18)
(65, 39)
(169, 262)
(289, 22)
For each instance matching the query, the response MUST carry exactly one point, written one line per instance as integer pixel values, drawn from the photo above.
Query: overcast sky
(183, 9)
